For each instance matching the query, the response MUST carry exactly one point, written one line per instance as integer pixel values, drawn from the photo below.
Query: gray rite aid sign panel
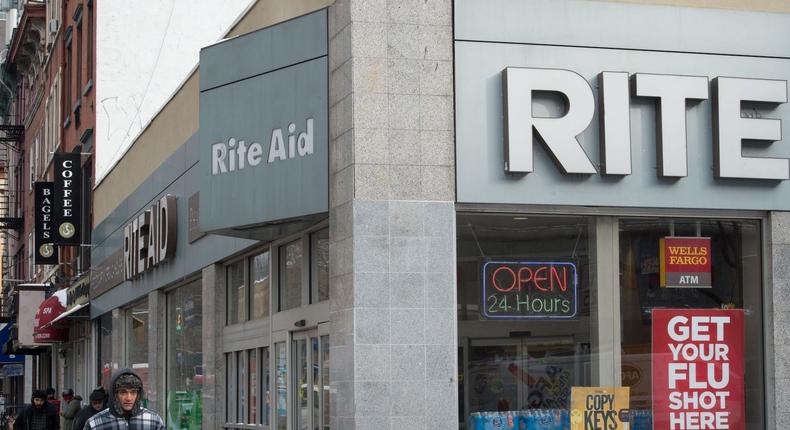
(263, 126)
(597, 125)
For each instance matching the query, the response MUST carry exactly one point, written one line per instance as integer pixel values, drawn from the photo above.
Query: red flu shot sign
(698, 369)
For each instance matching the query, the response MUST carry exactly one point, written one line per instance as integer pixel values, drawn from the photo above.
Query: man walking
(98, 401)
(70, 409)
(39, 415)
(124, 410)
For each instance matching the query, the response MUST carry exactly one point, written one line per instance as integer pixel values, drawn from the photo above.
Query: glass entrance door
(310, 380)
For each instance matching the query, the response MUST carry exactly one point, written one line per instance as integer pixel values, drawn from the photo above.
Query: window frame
(618, 214)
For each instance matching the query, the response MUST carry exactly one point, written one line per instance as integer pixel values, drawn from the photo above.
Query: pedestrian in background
(39, 415)
(98, 402)
(52, 400)
(72, 406)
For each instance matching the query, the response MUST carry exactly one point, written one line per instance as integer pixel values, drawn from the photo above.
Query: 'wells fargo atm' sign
(685, 262)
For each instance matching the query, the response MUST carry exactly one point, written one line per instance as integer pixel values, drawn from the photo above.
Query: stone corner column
(777, 317)
(392, 216)
(157, 324)
(213, 283)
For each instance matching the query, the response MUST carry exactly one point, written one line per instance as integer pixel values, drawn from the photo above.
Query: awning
(69, 313)
(5, 334)
(44, 330)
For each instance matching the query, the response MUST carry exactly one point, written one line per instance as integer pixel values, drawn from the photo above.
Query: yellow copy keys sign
(599, 408)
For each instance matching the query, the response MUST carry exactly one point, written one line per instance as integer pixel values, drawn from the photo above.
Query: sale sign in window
(698, 369)
(685, 262)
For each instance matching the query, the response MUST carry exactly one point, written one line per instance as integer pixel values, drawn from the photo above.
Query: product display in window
(520, 364)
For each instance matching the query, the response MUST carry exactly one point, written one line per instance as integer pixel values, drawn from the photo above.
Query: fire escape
(11, 223)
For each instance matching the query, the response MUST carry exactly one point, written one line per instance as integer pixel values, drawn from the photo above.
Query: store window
(248, 297)
(291, 263)
(303, 271)
(237, 293)
(552, 305)
(184, 357)
(248, 388)
(137, 343)
(732, 281)
(107, 366)
(260, 275)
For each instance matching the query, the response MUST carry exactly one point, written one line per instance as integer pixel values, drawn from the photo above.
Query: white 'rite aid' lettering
(558, 134)
(672, 94)
(238, 154)
(730, 129)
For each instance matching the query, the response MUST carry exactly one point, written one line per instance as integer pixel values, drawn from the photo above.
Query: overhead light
(520, 218)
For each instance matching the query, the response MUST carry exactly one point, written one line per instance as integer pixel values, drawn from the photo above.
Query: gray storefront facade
(364, 175)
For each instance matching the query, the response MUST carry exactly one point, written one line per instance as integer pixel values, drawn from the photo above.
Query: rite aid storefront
(622, 187)
(211, 279)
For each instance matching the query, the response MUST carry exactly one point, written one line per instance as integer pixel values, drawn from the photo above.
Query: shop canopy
(46, 330)
(5, 335)
(74, 312)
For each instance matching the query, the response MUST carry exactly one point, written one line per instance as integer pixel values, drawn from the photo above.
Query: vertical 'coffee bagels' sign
(46, 252)
(67, 204)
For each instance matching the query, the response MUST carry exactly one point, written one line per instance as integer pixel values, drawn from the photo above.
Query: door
(310, 379)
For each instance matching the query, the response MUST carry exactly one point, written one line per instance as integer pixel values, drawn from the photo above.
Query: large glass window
(291, 261)
(549, 303)
(237, 293)
(733, 282)
(137, 342)
(260, 276)
(184, 357)
(247, 394)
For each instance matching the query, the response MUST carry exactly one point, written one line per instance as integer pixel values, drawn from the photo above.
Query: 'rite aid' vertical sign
(46, 252)
(68, 184)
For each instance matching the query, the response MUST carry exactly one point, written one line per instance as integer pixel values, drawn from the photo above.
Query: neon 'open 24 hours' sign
(529, 290)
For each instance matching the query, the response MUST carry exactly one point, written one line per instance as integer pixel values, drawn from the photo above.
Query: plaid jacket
(144, 420)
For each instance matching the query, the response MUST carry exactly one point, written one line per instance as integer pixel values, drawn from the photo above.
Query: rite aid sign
(546, 116)
(672, 94)
(264, 151)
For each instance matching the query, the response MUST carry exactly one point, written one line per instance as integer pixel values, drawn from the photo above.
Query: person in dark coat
(39, 415)
(124, 408)
(98, 402)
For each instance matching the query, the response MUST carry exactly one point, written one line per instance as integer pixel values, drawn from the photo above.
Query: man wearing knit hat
(124, 410)
(98, 401)
(39, 415)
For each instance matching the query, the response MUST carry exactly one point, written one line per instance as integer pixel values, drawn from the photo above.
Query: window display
(542, 330)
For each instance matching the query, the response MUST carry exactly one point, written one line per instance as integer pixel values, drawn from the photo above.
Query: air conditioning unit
(53, 25)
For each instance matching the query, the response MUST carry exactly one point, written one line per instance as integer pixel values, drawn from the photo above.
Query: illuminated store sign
(151, 237)
(529, 290)
(672, 95)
